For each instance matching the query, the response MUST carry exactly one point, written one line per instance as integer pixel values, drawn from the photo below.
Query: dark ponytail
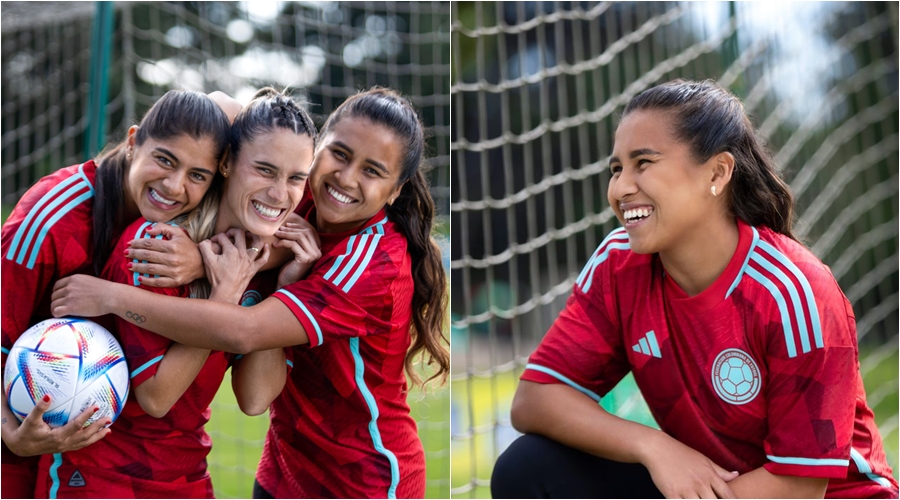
(712, 120)
(413, 213)
(176, 113)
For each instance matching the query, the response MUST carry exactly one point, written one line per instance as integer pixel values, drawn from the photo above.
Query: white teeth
(338, 196)
(266, 211)
(637, 213)
(156, 196)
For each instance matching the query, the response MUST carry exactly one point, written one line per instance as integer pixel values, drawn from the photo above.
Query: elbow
(153, 406)
(240, 344)
(253, 408)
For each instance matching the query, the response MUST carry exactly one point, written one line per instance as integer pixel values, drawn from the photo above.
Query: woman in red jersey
(68, 222)
(739, 338)
(370, 306)
(159, 446)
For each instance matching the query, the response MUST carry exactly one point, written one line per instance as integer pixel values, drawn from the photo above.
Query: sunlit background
(76, 75)
(536, 88)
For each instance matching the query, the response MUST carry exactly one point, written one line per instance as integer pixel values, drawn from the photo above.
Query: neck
(696, 263)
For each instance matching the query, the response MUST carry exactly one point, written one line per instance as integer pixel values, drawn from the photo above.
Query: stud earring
(713, 191)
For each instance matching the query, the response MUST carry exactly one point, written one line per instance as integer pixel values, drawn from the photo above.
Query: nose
(278, 191)
(346, 176)
(622, 186)
(175, 183)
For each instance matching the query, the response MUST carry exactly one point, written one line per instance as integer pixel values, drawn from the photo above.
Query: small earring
(713, 191)
(225, 174)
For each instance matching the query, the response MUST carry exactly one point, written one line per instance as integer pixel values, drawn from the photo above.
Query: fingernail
(96, 409)
(126, 253)
(140, 279)
(46, 398)
(129, 265)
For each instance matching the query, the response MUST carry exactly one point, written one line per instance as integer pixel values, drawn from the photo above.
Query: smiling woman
(68, 222)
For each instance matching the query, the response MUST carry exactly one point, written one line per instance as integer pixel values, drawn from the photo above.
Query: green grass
(238, 440)
(4, 212)
(483, 404)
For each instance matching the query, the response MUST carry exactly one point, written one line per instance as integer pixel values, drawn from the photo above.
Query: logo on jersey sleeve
(648, 345)
(735, 377)
(250, 298)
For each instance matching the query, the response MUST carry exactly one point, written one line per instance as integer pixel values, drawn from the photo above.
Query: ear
(225, 163)
(132, 138)
(396, 193)
(722, 170)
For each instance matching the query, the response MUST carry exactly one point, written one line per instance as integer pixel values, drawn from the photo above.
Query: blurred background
(76, 75)
(536, 88)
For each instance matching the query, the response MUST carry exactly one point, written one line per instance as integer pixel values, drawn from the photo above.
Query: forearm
(177, 370)
(204, 324)
(258, 378)
(10, 424)
(571, 418)
(760, 483)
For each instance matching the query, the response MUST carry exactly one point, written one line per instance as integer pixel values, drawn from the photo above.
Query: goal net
(535, 93)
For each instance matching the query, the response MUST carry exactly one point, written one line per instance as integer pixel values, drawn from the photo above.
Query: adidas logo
(648, 345)
(76, 479)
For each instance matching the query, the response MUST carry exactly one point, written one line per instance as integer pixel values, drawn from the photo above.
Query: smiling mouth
(266, 212)
(637, 214)
(338, 196)
(158, 197)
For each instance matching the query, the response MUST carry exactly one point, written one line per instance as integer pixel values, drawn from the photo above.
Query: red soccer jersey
(47, 236)
(341, 428)
(147, 457)
(758, 370)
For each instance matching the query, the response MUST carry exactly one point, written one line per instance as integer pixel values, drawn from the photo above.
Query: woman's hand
(302, 239)
(230, 265)
(176, 259)
(35, 437)
(81, 295)
(679, 471)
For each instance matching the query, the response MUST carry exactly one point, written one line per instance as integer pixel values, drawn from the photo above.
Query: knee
(517, 469)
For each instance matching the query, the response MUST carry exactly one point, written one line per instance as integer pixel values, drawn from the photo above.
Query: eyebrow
(276, 168)
(174, 157)
(635, 154)
(374, 163)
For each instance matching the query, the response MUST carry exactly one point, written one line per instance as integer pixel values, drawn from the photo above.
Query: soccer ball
(736, 377)
(77, 362)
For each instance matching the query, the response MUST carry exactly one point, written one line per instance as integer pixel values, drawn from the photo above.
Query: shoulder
(611, 258)
(58, 204)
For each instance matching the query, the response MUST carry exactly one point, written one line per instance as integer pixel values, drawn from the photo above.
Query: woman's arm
(176, 372)
(257, 379)
(760, 483)
(34, 437)
(563, 414)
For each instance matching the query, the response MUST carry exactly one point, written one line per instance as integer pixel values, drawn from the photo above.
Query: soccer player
(158, 447)
(739, 338)
(374, 301)
(68, 222)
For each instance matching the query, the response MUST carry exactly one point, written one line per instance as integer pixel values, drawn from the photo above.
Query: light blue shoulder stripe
(378, 226)
(782, 308)
(34, 212)
(589, 267)
(809, 461)
(562, 378)
(39, 226)
(740, 274)
(146, 365)
(795, 298)
(289, 363)
(601, 259)
(340, 260)
(59, 215)
(308, 314)
(137, 235)
(356, 255)
(866, 469)
(4, 350)
(54, 474)
(373, 410)
(807, 290)
(365, 263)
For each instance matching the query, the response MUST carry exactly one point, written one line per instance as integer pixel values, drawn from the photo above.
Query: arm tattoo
(3, 422)
(135, 317)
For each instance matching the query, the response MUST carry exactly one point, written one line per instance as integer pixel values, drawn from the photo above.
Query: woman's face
(355, 173)
(658, 191)
(168, 177)
(265, 182)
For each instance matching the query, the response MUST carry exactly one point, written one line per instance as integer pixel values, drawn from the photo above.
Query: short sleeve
(583, 347)
(144, 350)
(353, 294)
(813, 384)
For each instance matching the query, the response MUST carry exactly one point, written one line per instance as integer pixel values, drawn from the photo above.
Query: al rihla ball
(77, 362)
